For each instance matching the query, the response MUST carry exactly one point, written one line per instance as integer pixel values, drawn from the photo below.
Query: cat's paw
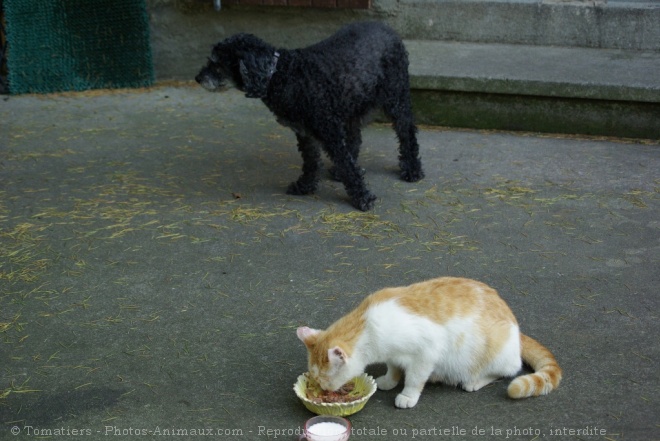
(386, 383)
(405, 402)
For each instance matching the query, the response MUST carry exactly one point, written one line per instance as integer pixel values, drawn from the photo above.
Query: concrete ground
(153, 272)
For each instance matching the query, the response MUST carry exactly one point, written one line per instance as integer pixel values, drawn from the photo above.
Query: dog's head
(242, 60)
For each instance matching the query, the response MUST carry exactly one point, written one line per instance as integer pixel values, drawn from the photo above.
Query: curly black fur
(323, 92)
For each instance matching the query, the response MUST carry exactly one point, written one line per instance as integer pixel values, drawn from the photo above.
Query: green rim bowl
(365, 386)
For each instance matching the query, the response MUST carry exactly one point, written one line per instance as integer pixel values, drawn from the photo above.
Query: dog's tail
(547, 373)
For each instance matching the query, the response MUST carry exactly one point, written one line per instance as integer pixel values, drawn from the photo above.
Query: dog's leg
(353, 143)
(399, 109)
(311, 155)
(350, 175)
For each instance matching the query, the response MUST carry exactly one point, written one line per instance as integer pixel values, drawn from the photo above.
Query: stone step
(539, 88)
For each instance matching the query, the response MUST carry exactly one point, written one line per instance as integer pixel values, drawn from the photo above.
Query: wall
(183, 31)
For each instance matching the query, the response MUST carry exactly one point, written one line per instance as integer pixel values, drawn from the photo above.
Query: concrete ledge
(490, 111)
(536, 88)
(608, 74)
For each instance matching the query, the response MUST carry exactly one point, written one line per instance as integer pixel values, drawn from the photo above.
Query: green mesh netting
(58, 45)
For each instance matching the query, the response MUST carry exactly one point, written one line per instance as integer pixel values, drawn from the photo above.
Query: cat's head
(329, 364)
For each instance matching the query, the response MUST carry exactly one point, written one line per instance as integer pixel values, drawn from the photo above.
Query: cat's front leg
(414, 384)
(390, 379)
(408, 398)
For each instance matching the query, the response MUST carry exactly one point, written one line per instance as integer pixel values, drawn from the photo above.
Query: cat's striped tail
(547, 373)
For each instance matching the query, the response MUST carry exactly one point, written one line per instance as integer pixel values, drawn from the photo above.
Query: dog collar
(276, 57)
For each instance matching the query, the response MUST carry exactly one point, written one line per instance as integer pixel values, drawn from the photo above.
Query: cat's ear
(306, 334)
(337, 356)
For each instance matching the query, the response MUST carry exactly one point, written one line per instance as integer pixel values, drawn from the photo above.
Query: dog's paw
(365, 203)
(298, 189)
(412, 174)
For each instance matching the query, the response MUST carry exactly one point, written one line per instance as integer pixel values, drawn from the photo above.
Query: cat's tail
(547, 373)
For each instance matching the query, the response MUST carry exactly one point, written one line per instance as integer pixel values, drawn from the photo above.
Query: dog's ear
(254, 73)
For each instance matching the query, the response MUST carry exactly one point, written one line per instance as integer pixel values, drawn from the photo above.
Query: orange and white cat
(451, 330)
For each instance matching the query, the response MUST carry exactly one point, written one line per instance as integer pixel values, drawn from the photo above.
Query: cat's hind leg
(390, 379)
(506, 364)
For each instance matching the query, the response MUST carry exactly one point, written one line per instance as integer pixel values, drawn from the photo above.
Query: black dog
(323, 92)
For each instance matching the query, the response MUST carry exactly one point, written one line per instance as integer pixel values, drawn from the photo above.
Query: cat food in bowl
(327, 428)
(349, 399)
